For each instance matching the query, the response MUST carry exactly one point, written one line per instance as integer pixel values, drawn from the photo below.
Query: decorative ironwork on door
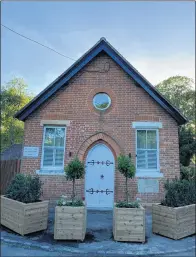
(92, 191)
(107, 163)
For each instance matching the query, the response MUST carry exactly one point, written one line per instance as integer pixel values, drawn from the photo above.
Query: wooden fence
(9, 169)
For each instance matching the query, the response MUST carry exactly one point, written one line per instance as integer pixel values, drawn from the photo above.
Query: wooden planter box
(129, 224)
(70, 223)
(24, 218)
(172, 222)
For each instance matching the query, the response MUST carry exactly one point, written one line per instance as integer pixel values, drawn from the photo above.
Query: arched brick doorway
(99, 138)
(96, 140)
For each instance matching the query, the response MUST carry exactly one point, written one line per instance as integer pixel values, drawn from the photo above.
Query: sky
(157, 38)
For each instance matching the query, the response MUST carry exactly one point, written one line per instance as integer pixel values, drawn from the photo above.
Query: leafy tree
(187, 145)
(102, 105)
(188, 173)
(127, 168)
(194, 160)
(13, 97)
(180, 92)
(74, 170)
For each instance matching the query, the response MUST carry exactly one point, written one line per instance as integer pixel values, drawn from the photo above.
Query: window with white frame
(53, 149)
(147, 149)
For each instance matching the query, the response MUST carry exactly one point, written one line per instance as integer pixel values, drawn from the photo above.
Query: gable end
(101, 46)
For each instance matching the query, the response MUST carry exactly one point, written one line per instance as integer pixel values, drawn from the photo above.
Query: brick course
(114, 126)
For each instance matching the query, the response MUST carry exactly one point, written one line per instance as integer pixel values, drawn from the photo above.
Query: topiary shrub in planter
(21, 208)
(175, 216)
(70, 215)
(128, 217)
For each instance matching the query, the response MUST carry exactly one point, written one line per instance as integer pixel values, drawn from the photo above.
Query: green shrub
(179, 193)
(127, 168)
(188, 172)
(122, 204)
(25, 188)
(74, 170)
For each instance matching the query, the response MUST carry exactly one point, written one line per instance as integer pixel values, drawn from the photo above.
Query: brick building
(101, 107)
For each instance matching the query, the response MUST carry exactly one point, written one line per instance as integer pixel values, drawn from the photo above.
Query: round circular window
(101, 101)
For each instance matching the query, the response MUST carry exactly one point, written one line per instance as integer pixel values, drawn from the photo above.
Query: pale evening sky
(157, 38)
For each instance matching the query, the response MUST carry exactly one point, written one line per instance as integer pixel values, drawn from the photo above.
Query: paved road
(10, 251)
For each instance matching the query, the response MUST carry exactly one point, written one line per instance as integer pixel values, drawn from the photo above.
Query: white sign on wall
(31, 151)
(148, 186)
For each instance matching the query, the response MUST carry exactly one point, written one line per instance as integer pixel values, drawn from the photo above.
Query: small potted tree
(175, 216)
(21, 208)
(129, 217)
(70, 215)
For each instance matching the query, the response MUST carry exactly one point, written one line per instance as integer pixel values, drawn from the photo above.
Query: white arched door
(99, 177)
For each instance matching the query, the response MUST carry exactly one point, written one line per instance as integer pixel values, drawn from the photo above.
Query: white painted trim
(55, 122)
(147, 171)
(50, 172)
(51, 167)
(149, 174)
(143, 124)
(109, 100)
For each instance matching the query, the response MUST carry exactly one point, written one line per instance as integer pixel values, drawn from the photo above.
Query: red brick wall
(129, 103)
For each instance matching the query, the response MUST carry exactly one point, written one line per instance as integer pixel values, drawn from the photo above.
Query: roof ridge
(101, 45)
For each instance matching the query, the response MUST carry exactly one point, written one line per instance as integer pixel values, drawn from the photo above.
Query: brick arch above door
(99, 138)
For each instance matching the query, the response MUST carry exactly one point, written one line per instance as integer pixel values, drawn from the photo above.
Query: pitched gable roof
(101, 46)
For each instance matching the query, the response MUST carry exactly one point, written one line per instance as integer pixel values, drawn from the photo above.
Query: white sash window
(147, 150)
(53, 149)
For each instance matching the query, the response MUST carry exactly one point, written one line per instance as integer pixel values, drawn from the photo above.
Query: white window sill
(50, 172)
(149, 174)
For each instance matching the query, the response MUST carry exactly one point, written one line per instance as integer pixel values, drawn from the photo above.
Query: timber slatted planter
(70, 223)
(129, 224)
(173, 222)
(24, 218)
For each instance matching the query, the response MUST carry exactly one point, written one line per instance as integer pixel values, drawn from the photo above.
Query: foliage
(102, 106)
(127, 168)
(193, 160)
(13, 97)
(122, 204)
(25, 188)
(188, 173)
(179, 193)
(74, 170)
(187, 144)
(75, 203)
(179, 91)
